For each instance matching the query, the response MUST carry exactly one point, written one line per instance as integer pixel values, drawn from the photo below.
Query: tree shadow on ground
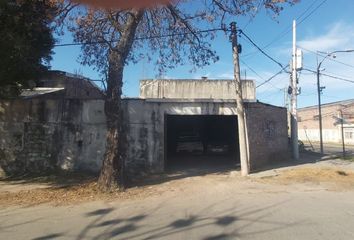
(55, 179)
(226, 223)
(306, 157)
(49, 236)
(188, 167)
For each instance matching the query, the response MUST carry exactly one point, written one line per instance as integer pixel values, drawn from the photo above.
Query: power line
(272, 94)
(284, 33)
(272, 77)
(337, 75)
(314, 10)
(253, 16)
(267, 55)
(322, 55)
(331, 76)
(339, 78)
(256, 46)
(307, 9)
(252, 70)
(144, 38)
(288, 29)
(261, 77)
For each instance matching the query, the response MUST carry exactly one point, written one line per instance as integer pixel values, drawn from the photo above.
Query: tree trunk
(112, 172)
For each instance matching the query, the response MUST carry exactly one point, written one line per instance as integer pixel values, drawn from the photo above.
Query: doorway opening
(207, 143)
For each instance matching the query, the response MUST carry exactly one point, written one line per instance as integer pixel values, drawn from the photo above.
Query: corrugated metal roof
(29, 93)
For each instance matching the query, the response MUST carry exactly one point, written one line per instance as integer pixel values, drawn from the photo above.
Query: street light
(319, 89)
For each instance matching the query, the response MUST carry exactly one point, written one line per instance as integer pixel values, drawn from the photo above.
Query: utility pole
(319, 88)
(286, 98)
(319, 91)
(342, 128)
(294, 137)
(242, 130)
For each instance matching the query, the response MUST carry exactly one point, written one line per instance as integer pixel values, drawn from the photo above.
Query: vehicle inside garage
(204, 142)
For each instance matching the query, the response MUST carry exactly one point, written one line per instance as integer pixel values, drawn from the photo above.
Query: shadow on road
(231, 222)
(190, 166)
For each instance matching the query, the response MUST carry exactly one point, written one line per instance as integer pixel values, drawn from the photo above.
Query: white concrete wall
(195, 89)
(328, 135)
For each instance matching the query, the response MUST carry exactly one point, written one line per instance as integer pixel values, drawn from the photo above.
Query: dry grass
(67, 194)
(67, 190)
(341, 179)
(349, 158)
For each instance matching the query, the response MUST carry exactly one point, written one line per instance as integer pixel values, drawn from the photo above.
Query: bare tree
(173, 34)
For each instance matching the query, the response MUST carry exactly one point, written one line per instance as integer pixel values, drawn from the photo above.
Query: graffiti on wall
(269, 129)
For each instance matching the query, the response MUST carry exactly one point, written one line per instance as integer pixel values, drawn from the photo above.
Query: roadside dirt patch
(68, 195)
(336, 178)
(62, 189)
(75, 190)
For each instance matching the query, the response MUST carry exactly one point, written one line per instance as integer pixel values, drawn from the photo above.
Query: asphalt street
(204, 207)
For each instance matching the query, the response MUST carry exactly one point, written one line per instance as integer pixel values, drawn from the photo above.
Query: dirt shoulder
(333, 175)
(333, 178)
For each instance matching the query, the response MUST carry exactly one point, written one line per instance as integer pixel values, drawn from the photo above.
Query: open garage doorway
(206, 143)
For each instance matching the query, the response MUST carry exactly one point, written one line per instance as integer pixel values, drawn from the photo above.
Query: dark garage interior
(201, 142)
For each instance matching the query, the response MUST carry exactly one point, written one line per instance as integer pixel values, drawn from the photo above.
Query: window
(349, 135)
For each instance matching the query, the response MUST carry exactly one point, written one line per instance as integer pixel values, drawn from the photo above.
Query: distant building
(58, 84)
(331, 129)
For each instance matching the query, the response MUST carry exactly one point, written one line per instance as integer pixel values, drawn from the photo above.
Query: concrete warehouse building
(308, 121)
(174, 124)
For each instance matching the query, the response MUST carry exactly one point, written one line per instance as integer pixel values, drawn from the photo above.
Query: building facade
(308, 122)
(44, 133)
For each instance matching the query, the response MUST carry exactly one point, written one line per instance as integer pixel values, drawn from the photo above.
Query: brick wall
(267, 134)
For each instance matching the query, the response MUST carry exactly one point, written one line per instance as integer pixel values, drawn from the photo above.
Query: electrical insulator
(290, 90)
(239, 48)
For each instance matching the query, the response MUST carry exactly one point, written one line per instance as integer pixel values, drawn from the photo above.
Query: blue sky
(329, 28)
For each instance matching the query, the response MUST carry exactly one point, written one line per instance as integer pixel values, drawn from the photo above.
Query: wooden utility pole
(242, 128)
(342, 130)
(319, 92)
(294, 137)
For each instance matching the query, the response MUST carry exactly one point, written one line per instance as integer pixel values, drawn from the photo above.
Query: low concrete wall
(328, 135)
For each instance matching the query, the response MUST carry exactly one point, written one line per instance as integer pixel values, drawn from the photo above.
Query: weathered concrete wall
(267, 130)
(196, 89)
(40, 135)
(267, 134)
(147, 125)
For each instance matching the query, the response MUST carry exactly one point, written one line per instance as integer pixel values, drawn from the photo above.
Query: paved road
(207, 208)
(330, 148)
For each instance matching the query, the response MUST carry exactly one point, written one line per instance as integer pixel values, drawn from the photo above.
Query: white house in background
(308, 123)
